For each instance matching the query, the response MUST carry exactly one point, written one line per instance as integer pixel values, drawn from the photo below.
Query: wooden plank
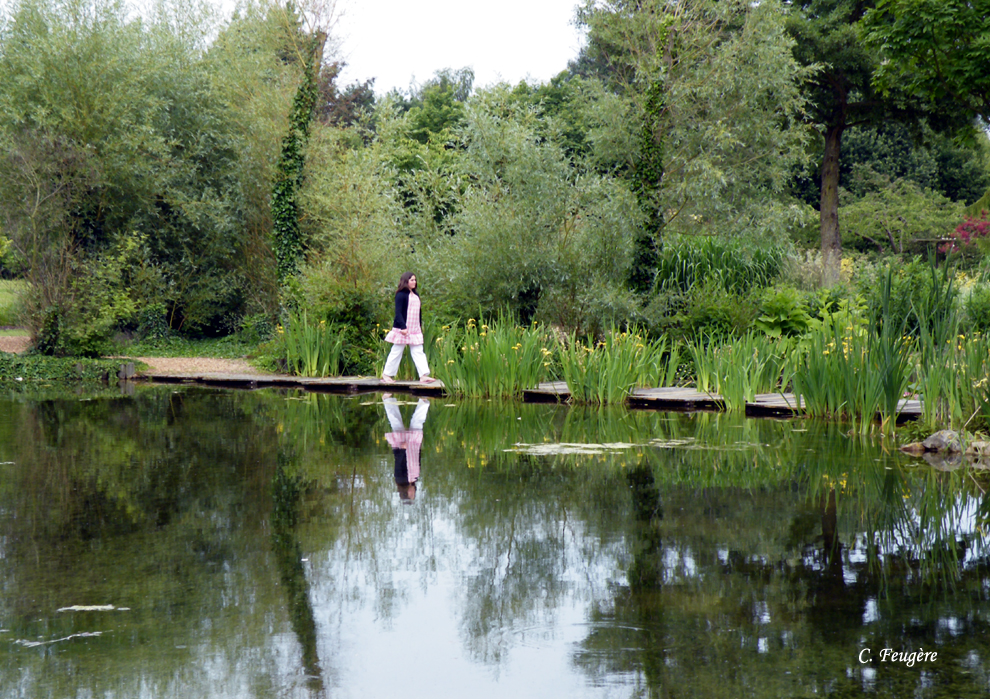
(548, 392)
(775, 404)
(681, 398)
(338, 384)
(674, 398)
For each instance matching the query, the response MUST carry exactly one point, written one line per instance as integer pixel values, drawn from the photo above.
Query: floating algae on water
(569, 448)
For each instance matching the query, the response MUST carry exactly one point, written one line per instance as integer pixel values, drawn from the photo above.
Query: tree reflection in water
(287, 489)
(706, 555)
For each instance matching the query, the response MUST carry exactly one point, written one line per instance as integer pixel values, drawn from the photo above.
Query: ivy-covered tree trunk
(287, 238)
(647, 181)
(831, 238)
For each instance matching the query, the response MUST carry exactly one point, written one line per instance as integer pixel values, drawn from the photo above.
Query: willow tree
(717, 101)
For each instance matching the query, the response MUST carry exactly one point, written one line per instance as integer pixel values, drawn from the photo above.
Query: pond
(184, 542)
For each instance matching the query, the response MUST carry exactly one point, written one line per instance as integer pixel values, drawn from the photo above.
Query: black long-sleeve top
(401, 304)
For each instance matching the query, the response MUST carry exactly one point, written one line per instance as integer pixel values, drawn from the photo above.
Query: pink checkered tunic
(414, 334)
(412, 442)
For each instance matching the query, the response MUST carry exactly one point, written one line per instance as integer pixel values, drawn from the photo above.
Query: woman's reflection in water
(405, 444)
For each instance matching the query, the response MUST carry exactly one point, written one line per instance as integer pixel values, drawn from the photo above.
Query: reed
(311, 349)
(736, 267)
(605, 371)
(853, 369)
(491, 359)
(739, 369)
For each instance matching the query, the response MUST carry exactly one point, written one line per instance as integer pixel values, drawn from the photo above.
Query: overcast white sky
(398, 41)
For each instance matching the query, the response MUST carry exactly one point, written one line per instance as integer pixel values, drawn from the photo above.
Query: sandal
(387, 379)
(427, 379)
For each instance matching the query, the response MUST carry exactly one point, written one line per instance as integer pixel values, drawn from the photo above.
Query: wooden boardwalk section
(346, 385)
(678, 399)
(685, 399)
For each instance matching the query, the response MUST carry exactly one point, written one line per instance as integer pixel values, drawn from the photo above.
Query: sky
(401, 41)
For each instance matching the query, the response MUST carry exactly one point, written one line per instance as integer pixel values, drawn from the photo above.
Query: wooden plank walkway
(687, 399)
(338, 385)
(672, 398)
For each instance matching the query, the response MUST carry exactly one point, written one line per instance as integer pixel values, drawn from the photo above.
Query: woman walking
(406, 330)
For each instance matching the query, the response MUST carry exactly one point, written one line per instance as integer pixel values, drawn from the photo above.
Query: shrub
(967, 233)
(10, 305)
(356, 308)
(783, 312)
(918, 290)
(977, 307)
(706, 310)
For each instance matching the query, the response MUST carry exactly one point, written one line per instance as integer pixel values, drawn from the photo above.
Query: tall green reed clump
(742, 367)
(973, 354)
(605, 371)
(494, 359)
(311, 349)
(854, 367)
(733, 265)
(938, 380)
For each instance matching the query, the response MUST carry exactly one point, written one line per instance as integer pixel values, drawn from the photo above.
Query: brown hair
(404, 283)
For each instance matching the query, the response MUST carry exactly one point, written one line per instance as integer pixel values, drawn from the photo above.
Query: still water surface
(201, 543)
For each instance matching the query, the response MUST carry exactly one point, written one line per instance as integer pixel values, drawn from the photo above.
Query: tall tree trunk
(831, 238)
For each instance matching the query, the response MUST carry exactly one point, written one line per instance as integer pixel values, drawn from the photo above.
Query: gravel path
(161, 365)
(199, 365)
(15, 344)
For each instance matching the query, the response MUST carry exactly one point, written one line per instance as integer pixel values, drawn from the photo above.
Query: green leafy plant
(725, 262)
(10, 294)
(855, 370)
(605, 371)
(739, 368)
(497, 358)
(311, 349)
(783, 313)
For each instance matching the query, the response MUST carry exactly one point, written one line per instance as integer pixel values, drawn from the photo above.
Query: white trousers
(395, 417)
(395, 356)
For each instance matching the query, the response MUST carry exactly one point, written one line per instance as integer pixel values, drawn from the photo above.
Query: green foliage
(11, 291)
(707, 309)
(437, 107)
(604, 371)
(783, 313)
(732, 264)
(716, 90)
(498, 358)
(854, 368)
(529, 237)
(739, 368)
(128, 129)
(354, 245)
(915, 284)
(287, 238)
(892, 151)
(977, 305)
(980, 207)
(896, 217)
(41, 368)
(934, 50)
(313, 349)
(647, 178)
(356, 309)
